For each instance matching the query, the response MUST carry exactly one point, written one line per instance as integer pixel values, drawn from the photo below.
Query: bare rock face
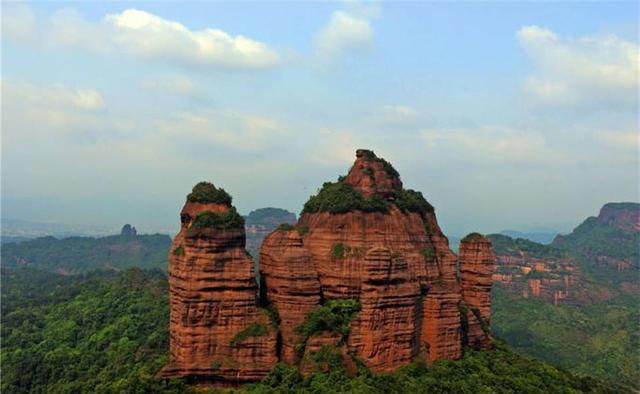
(368, 239)
(625, 216)
(365, 274)
(477, 264)
(219, 335)
(290, 282)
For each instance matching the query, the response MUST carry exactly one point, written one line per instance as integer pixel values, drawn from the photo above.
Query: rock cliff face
(365, 273)
(368, 239)
(476, 270)
(219, 335)
(625, 216)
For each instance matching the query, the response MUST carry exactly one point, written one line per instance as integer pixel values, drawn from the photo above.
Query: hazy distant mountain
(535, 236)
(82, 254)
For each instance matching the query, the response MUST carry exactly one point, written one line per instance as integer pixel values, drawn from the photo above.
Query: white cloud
(147, 35)
(223, 127)
(593, 70)
(622, 139)
(142, 34)
(344, 32)
(179, 85)
(18, 21)
(489, 144)
(400, 111)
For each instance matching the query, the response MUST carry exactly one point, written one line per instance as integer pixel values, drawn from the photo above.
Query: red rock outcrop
(396, 262)
(290, 282)
(213, 302)
(363, 238)
(625, 216)
(477, 264)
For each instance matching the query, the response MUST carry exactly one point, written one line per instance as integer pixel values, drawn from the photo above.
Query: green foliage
(229, 220)
(535, 274)
(83, 254)
(207, 193)
(429, 252)
(368, 172)
(412, 201)
(97, 333)
(369, 155)
(272, 311)
(339, 197)
(253, 330)
(334, 316)
(472, 237)
(216, 364)
(339, 250)
(302, 230)
(602, 340)
(592, 239)
(285, 227)
(484, 325)
(504, 245)
(179, 251)
(498, 371)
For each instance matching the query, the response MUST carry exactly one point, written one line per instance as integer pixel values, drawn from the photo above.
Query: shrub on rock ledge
(207, 193)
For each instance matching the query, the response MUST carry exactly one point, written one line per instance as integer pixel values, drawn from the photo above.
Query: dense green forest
(602, 340)
(83, 254)
(599, 336)
(107, 332)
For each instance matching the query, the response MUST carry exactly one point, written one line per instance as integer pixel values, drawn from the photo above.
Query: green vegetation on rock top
(207, 193)
(229, 220)
(338, 197)
(471, 237)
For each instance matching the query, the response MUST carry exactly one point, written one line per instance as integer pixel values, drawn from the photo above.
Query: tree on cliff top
(207, 193)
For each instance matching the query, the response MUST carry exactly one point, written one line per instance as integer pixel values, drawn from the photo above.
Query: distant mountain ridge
(76, 255)
(575, 301)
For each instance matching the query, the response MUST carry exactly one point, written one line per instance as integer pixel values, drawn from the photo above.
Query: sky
(505, 115)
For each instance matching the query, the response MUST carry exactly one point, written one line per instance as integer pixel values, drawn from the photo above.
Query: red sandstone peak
(386, 255)
(373, 175)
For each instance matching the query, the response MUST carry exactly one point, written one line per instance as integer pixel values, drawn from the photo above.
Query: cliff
(366, 238)
(365, 275)
(219, 335)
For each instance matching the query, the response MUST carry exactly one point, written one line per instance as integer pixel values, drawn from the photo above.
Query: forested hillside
(83, 254)
(107, 332)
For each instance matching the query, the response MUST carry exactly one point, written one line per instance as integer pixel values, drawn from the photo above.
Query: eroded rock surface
(213, 302)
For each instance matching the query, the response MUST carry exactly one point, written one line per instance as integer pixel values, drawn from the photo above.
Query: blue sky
(505, 115)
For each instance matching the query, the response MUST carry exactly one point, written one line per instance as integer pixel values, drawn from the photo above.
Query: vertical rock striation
(367, 238)
(366, 274)
(477, 264)
(219, 335)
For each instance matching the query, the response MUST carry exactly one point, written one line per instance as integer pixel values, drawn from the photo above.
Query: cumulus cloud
(48, 107)
(345, 32)
(226, 128)
(590, 70)
(490, 144)
(144, 35)
(621, 139)
(18, 21)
